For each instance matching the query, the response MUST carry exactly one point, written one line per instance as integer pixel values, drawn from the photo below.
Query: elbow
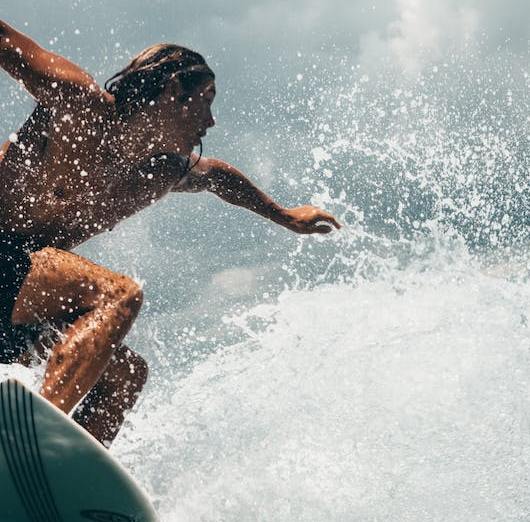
(214, 174)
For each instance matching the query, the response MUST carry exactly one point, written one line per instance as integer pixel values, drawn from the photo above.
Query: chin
(184, 149)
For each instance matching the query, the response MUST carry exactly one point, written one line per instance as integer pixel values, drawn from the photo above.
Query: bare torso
(77, 167)
(61, 182)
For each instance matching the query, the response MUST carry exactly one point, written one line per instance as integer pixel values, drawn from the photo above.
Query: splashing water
(355, 404)
(389, 379)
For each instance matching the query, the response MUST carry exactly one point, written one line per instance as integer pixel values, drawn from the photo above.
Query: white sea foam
(387, 401)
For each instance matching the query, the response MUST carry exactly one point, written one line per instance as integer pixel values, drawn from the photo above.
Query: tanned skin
(74, 172)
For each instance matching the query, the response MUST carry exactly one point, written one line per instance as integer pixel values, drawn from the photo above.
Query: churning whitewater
(381, 374)
(389, 376)
(402, 400)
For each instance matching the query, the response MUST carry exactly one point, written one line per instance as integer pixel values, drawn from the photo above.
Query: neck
(135, 139)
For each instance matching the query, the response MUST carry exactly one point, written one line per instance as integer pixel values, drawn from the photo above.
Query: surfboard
(51, 470)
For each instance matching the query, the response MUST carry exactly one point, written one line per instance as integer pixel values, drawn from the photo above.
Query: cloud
(424, 32)
(235, 281)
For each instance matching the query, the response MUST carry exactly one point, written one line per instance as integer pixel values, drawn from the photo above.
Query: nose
(210, 121)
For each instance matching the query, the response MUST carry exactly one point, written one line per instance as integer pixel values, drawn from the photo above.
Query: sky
(264, 44)
(192, 253)
(100, 35)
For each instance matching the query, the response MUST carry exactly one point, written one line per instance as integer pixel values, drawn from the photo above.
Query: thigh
(61, 284)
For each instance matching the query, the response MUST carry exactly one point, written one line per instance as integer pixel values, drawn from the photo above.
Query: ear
(170, 95)
(176, 93)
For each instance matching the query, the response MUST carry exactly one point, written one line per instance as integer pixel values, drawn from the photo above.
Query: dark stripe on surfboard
(42, 487)
(21, 395)
(44, 477)
(10, 457)
(20, 450)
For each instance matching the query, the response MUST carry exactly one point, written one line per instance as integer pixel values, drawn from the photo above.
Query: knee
(136, 296)
(130, 293)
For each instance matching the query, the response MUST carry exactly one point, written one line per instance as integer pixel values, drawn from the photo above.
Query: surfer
(85, 159)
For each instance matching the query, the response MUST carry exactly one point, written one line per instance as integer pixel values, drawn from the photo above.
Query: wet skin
(75, 170)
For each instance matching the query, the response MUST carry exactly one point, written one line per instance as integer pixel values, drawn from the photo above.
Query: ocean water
(395, 400)
(386, 376)
(378, 373)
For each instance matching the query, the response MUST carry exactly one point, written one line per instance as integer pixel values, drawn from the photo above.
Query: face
(198, 111)
(175, 121)
(188, 121)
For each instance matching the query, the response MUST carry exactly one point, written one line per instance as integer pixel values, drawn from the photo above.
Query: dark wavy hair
(149, 72)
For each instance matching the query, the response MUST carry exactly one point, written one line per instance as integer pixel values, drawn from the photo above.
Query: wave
(399, 400)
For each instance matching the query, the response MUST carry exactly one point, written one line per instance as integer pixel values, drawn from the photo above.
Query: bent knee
(46, 253)
(61, 283)
(129, 292)
(135, 297)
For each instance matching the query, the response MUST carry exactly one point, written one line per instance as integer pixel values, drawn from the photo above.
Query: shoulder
(168, 161)
(197, 177)
(167, 165)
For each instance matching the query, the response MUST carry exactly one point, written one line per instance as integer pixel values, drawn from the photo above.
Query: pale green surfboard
(51, 470)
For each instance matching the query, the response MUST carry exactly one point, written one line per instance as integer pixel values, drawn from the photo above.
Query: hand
(308, 220)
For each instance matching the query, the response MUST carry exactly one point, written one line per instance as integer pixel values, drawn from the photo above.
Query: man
(84, 160)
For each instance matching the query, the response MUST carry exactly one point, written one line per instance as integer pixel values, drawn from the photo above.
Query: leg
(61, 285)
(102, 411)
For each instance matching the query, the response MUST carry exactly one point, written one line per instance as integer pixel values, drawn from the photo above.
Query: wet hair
(149, 72)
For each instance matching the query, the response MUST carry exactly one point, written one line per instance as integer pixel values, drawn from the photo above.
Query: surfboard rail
(52, 470)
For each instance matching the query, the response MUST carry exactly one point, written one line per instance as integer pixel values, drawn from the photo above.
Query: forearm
(43, 73)
(6, 36)
(14, 43)
(19, 55)
(233, 187)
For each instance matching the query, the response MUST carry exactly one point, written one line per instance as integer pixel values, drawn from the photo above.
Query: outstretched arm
(232, 186)
(48, 77)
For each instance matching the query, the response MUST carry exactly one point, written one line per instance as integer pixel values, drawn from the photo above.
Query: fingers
(314, 220)
(336, 224)
(322, 229)
(333, 221)
(324, 216)
(330, 219)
